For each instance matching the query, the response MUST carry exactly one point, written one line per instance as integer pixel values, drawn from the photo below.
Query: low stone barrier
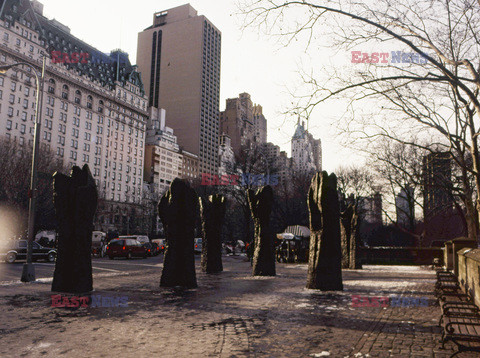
(400, 255)
(469, 272)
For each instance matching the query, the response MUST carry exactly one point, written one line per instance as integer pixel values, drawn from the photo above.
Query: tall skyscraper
(179, 59)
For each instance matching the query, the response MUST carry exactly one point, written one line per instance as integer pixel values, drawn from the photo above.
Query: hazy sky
(251, 62)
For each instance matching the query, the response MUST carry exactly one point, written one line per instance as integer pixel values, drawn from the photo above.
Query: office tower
(179, 59)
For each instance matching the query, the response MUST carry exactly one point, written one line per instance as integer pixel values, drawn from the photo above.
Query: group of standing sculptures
(333, 240)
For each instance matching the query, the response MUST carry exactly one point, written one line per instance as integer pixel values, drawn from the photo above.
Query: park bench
(460, 317)
(463, 331)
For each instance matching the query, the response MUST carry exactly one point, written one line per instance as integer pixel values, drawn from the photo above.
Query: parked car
(152, 248)
(127, 248)
(156, 249)
(17, 250)
(197, 245)
(162, 244)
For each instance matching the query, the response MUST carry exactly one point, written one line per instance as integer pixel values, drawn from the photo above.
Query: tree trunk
(213, 215)
(75, 198)
(178, 209)
(325, 260)
(261, 207)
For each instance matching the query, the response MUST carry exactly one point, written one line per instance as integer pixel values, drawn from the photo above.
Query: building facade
(179, 58)
(405, 207)
(163, 160)
(260, 125)
(226, 156)
(94, 109)
(237, 121)
(371, 209)
(306, 151)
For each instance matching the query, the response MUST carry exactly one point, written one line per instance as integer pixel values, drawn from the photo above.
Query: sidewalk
(230, 315)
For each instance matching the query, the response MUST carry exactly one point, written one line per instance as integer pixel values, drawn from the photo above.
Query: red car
(127, 248)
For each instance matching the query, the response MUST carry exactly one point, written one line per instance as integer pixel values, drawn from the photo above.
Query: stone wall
(469, 272)
(399, 255)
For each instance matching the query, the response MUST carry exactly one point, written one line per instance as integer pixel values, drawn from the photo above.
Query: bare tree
(433, 88)
(15, 169)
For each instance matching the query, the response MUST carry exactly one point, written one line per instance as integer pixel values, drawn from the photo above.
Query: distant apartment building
(244, 122)
(163, 160)
(306, 151)
(441, 221)
(371, 209)
(226, 156)
(179, 58)
(189, 165)
(279, 163)
(437, 178)
(94, 110)
(259, 125)
(405, 207)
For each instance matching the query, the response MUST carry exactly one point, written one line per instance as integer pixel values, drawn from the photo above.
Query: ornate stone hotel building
(94, 109)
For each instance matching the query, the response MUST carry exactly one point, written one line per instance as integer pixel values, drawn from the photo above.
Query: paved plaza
(230, 315)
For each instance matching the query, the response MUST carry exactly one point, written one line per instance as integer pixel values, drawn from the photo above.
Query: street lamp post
(28, 272)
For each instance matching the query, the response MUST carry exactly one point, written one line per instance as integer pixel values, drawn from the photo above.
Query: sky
(252, 62)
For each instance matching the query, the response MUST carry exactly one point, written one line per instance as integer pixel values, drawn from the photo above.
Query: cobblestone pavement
(230, 315)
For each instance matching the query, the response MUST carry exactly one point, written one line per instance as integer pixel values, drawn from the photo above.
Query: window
(25, 103)
(11, 99)
(10, 111)
(9, 124)
(5, 36)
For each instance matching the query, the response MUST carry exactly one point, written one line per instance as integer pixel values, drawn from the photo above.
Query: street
(11, 273)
